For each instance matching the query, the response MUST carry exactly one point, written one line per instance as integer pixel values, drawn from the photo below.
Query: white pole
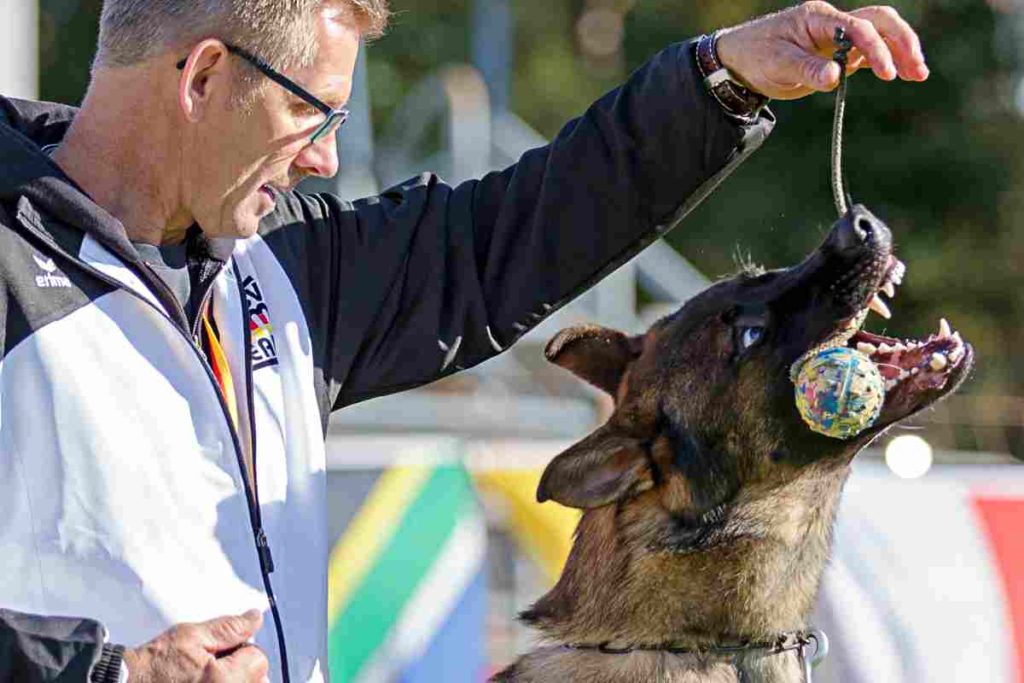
(19, 48)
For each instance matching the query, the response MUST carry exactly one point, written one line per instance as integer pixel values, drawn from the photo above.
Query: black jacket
(414, 284)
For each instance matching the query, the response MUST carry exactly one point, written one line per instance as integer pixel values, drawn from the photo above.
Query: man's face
(242, 156)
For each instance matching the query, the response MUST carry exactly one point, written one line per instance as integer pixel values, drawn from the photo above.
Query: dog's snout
(858, 230)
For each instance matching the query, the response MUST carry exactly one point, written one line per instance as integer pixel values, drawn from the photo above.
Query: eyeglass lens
(330, 124)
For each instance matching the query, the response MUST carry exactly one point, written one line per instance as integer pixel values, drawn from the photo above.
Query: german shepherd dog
(708, 503)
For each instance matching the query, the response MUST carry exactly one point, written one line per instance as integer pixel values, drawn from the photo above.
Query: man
(179, 323)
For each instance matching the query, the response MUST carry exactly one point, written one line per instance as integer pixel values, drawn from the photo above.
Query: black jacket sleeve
(36, 649)
(427, 279)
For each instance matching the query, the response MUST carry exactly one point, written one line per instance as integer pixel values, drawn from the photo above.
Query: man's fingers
(822, 20)
(224, 633)
(248, 663)
(903, 41)
(788, 54)
(854, 61)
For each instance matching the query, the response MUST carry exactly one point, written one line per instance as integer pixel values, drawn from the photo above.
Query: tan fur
(760, 583)
(708, 504)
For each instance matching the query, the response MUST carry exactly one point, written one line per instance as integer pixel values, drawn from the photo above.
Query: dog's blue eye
(750, 336)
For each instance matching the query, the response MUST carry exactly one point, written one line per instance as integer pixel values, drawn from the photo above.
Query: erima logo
(48, 279)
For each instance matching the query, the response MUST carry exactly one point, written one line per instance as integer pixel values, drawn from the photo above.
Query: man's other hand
(215, 651)
(788, 54)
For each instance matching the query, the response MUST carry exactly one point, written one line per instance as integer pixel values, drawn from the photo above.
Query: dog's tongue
(927, 363)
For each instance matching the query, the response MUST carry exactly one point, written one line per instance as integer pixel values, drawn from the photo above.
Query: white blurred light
(908, 456)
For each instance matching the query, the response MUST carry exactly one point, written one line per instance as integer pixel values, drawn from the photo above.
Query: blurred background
(438, 540)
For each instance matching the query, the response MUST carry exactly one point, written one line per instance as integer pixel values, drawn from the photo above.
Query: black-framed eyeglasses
(334, 117)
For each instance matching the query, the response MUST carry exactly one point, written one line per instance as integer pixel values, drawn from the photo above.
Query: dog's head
(704, 403)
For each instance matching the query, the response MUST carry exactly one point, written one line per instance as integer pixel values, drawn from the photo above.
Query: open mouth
(917, 372)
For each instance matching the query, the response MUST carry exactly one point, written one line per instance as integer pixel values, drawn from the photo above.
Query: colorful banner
(407, 582)
(926, 581)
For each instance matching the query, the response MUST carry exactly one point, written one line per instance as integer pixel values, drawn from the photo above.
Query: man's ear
(205, 67)
(596, 354)
(600, 469)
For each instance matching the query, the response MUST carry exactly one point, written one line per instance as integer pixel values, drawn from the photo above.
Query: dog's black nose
(860, 229)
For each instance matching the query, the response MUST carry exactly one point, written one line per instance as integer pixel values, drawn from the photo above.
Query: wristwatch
(111, 667)
(738, 101)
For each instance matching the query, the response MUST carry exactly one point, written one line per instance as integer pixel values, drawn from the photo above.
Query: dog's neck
(566, 665)
(755, 577)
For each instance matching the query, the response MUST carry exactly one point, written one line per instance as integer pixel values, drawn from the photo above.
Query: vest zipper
(266, 559)
(251, 490)
(255, 518)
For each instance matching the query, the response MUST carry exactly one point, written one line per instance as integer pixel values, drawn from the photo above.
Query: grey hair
(280, 31)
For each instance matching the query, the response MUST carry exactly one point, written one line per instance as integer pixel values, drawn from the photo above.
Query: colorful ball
(839, 392)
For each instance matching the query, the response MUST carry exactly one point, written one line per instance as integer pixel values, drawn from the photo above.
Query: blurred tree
(67, 42)
(941, 162)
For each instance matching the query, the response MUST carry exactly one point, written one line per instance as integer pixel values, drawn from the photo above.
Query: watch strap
(108, 669)
(737, 100)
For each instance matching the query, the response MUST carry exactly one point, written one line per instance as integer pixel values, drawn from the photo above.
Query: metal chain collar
(798, 641)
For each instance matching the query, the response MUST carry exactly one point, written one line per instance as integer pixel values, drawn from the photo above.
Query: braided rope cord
(840, 191)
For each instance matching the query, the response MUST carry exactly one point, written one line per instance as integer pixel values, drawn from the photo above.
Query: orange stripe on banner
(1003, 519)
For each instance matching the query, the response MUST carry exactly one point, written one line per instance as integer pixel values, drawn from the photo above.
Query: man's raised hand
(214, 651)
(787, 55)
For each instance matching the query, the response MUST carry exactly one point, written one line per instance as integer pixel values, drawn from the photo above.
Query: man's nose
(319, 158)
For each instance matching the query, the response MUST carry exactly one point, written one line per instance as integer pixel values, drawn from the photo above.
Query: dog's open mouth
(917, 372)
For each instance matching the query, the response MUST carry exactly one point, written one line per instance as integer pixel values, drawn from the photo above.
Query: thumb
(822, 74)
(247, 663)
(808, 69)
(796, 68)
(227, 632)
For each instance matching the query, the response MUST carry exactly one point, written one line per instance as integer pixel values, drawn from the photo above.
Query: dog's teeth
(884, 348)
(944, 329)
(956, 354)
(957, 339)
(914, 371)
(890, 289)
(898, 271)
(879, 307)
(904, 374)
(866, 349)
(899, 347)
(938, 362)
(889, 384)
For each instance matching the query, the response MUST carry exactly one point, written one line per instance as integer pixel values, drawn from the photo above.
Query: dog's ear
(596, 354)
(600, 469)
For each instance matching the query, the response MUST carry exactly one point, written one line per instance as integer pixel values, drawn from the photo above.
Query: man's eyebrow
(329, 97)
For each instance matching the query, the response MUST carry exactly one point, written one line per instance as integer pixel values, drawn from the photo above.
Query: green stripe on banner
(376, 603)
